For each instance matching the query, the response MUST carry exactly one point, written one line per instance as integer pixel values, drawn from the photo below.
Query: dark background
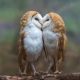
(10, 14)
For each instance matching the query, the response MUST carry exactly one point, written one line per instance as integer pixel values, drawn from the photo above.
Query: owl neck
(49, 27)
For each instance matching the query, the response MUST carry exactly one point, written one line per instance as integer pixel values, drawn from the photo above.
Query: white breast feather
(33, 41)
(50, 39)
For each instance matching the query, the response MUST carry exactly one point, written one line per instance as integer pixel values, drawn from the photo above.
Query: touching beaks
(41, 29)
(41, 25)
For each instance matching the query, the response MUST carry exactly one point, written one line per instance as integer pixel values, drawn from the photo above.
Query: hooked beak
(41, 23)
(41, 29)
(41, 26)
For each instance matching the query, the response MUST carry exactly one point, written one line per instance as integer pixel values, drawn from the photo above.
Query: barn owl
(30, 41)
(54, 40)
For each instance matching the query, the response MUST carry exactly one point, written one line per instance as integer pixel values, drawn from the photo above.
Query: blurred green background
(10, 14)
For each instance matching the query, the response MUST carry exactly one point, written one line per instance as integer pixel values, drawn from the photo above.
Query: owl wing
(60, 29)
(22, 54)
(61, 46)
(22, 57)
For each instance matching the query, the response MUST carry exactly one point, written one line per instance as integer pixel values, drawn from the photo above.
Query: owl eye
(47, 19)
(37, 19)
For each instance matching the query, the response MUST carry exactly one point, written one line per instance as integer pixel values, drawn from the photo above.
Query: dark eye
(47, 19)
(37, 19)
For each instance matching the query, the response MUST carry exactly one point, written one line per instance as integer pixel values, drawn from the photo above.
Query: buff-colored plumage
(22, 57)
(26, 17)
(56, 32)
(58, 27)
(58, 21)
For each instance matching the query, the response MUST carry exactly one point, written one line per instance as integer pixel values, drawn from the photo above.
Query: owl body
(50, 42)
(51, 46)
(33, 43)
(54, 41)
(50, 38)
(30, 42)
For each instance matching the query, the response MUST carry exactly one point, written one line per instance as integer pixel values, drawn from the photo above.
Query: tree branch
(70, 76)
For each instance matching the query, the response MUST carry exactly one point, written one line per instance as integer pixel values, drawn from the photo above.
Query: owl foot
(36, 73)
(57, 72)
(22, 74)
(43, 73)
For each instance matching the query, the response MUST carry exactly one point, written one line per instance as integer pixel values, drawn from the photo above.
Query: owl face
(53, 20)
(46, 21)
(37, 20)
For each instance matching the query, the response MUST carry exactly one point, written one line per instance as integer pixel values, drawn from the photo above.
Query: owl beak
(41, 29)
(41, 25)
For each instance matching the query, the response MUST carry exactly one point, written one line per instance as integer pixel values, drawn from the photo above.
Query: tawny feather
(25, 18)
(54, 36)
(58, 21)
(59, 28)
(30, 36)
(22, 55)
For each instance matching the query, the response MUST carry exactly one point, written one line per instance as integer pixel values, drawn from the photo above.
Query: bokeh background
(10, 14)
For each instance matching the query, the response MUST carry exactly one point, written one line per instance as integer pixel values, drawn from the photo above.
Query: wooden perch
(72, 76)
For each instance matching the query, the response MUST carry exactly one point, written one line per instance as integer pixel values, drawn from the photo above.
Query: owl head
(31, 17)
(53, 19)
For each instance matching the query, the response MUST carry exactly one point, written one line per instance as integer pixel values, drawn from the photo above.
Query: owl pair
(39, 33)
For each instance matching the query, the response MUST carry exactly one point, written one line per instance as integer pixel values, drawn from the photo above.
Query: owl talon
(43, 73)
(36, 73)
(23, 74)
(57, 72)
